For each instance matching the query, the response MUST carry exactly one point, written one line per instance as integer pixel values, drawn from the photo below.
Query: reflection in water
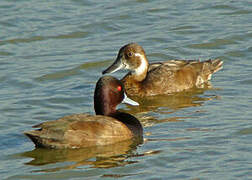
(168, 104)
(245, 131)
(118, 175)
(173, 102)
(148, 153)
(98, 156)
(148, 120)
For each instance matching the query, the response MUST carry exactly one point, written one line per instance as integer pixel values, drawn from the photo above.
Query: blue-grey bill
(117, 65)
(129, 101)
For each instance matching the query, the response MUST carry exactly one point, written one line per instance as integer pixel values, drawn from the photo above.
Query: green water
(53, 52)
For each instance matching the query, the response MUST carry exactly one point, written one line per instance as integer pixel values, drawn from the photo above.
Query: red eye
(119, 88)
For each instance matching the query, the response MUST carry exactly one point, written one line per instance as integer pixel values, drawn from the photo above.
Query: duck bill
(117, 65)
(129, 101)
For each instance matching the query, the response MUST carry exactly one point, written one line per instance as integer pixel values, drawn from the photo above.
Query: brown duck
(108, 126)
(146, 79)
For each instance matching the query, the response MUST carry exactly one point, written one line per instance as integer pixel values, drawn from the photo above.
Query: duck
(159, 78)
(107, 127)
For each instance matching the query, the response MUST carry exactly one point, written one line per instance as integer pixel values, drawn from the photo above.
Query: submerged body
(82, 130)
(146, 79)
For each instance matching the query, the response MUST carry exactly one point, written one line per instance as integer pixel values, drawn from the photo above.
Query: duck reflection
(173, 102)
(161, 109)
(97, 156)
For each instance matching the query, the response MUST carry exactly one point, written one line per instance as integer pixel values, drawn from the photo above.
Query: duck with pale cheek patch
(159, 78)
(108, 126)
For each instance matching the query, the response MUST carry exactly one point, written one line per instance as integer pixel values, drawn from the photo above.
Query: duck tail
(210, 67)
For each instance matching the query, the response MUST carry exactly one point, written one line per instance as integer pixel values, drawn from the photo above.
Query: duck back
(78, 131)
(172, 76)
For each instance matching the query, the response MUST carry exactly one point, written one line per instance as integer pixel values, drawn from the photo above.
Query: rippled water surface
(53, 52)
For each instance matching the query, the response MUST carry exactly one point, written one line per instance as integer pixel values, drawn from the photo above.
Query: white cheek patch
(143, 66)
(209, 77)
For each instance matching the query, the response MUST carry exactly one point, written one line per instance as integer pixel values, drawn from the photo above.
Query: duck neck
(104, 109)
(139, 77)
(130, 121)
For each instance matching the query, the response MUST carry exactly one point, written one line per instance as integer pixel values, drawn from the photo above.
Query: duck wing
(172, 64)
(178, 75)
(78, 130)
(203, 68)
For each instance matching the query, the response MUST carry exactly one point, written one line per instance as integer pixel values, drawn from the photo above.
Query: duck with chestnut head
(108, 126)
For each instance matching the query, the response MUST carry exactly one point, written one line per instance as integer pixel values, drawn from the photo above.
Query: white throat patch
(143, 66)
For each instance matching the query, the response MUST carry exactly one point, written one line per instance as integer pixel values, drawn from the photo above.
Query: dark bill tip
(105, 71)
(113, 68)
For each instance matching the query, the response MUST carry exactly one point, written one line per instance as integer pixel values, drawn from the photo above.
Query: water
(52, 53)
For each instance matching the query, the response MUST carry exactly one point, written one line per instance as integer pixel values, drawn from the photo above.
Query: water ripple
(72, 35)
(53, 53)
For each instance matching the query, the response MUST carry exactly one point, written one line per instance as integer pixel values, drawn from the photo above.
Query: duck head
(131, 57)
(109, 92)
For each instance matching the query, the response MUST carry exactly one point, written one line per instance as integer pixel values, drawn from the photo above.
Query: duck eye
(119, 88)
(130, 54)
